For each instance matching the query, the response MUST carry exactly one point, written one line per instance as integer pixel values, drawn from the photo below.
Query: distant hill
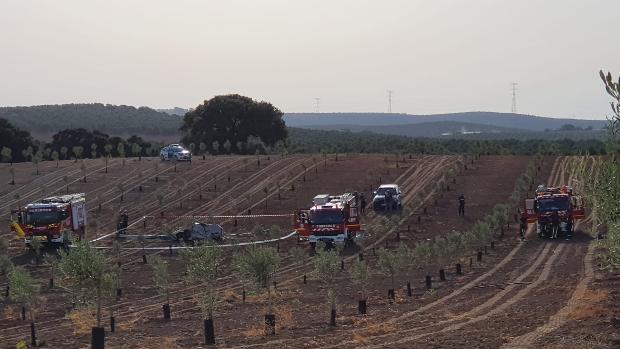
(506, 120)
(426, 129)
(119, 120)
(174, 111)
(464, 130)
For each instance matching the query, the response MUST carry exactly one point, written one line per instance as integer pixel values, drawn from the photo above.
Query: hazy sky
(437, 56)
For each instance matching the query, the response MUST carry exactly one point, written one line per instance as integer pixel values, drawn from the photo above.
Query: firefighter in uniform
(362, 203)
(555, 225)
(388, 200)
(462, 205)
(523, 226)
(123, 222)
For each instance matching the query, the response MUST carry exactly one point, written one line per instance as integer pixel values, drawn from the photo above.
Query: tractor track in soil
(421, 175)
(246, 185)
(34, 192)
(560, 176)
(475, 314)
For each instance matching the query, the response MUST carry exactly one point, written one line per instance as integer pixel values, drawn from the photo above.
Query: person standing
(363, 203)
(555, 225)
(523, 226)
(388, 200)
(462, 205)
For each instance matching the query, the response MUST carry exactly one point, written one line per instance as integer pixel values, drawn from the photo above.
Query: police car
(175, 152)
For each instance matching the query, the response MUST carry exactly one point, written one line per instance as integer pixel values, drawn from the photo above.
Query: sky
(436, 56)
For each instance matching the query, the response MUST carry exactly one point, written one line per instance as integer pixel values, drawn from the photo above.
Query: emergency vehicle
(559, 204)
(331, 219)
(49, 219)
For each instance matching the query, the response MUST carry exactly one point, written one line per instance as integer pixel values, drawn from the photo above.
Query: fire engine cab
(555, 208)
(49, 219)
(331, 219)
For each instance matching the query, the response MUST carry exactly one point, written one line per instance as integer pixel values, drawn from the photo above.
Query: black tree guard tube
(459, 270)
(166, 308)
(409, 294)
(33, 335)
(97, 338)
(361, 306)
(270, 324)
(429, 282)
(391, 295)
(442, 275)
(112, 324)
(209, 332)
(479, 257)
(332, 317)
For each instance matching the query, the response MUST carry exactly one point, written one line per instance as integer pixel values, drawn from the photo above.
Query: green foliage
(161, 276)
(326, 264)
(203, 265)
(258, 264)
(299, 254)
(230, 119)
(24, 288)
(113, 119)
(606, 191)
(360, 275)
(318, 141)
(390, 263)
(88, 273)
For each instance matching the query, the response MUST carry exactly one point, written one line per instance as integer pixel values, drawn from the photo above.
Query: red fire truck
(49, 219)
(555, 211)
(332, 219)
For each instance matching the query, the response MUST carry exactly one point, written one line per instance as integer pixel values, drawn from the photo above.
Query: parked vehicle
(332, 219)
(51, 218)
(554, 208)
(175, 152)
(387, 198)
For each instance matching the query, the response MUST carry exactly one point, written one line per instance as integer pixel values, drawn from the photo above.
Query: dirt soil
(520, 295)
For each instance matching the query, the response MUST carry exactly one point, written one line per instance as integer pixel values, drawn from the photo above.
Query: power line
(513, 108)
(390, 100)
(317, 105)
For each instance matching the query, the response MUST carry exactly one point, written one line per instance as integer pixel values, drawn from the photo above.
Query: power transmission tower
(390, 100)
(513, 109)
(317, 105)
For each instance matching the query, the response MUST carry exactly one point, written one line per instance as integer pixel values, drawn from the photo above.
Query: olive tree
(259, 264)
(203, 265)
(87, 272)
(390, 263)
(25, 291)
(326, 265)
(161, 279)
(361, 276)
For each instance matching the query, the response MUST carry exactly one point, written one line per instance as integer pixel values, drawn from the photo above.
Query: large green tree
(237, 119)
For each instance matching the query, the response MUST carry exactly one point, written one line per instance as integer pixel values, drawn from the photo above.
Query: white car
(175, 152)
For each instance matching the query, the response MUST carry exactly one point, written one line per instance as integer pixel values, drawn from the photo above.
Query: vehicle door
(578, 210)
(530, 210)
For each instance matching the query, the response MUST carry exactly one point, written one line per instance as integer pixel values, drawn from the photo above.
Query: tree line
(18, 145)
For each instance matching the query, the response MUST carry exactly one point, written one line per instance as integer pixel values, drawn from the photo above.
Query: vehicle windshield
(553, 204)
(326, 217)
(177, 149)
(384, 190)
(42, 216)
